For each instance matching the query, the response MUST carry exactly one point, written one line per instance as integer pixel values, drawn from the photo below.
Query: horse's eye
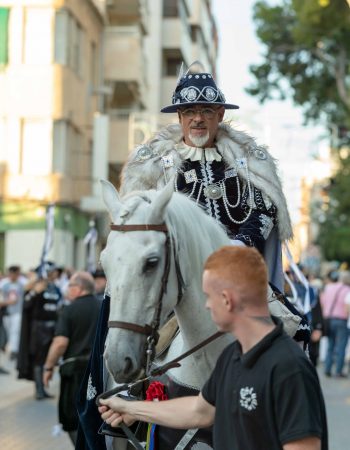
(151, 264)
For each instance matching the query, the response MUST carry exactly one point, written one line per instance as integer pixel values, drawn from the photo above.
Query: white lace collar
(197, 153)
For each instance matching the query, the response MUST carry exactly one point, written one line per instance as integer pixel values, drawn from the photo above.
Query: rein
(151, 331)
(159, 370)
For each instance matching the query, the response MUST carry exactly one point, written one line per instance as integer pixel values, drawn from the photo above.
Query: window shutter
(4, 18)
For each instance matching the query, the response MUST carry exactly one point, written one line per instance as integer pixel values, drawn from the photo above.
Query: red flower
(156, 391)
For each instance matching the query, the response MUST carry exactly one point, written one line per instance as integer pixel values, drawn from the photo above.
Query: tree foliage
(306, 57)
(334, 236)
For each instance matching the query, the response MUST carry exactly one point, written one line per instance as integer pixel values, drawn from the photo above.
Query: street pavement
(27, 424)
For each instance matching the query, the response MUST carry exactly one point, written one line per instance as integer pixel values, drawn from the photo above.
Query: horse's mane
(195, 235)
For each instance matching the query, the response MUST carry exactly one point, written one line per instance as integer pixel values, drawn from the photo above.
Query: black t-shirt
(266, 397)
(78, 322)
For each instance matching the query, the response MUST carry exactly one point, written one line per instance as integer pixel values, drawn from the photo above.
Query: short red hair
(245, 268)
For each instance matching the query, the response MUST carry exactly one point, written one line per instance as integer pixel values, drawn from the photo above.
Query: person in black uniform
(264, 392)
(42, 299)
(74, 335)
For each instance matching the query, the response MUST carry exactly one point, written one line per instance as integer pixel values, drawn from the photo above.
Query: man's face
(200, 124)
(13, 276)
(216, 302)
(74, 289)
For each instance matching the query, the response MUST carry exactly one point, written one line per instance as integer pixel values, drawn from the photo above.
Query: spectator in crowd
(3, 341)
(100, 283)
(74, 334)
(316, 320)
(42, 300)
(347, 303)
(334, 308)
(11, 300)
(263, 392)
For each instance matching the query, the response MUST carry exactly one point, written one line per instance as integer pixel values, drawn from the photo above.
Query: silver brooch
(260, 154)
(190, 176)
(230, 173)
(213, 191)
(144, 153)
(210, 94)
(242, 163)
(191, 94)
(168, 161)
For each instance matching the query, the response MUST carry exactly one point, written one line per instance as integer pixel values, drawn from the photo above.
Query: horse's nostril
(128, 365)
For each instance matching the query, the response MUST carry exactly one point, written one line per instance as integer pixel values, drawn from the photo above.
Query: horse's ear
(160, 203)
(111, 199)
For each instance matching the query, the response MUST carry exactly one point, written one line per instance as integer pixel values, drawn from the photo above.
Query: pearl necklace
(214, 191)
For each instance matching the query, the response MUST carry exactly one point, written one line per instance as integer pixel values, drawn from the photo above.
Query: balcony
(124, 63)
(127, 12)
(45, 188)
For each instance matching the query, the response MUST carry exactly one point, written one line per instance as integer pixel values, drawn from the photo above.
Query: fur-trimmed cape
(149, 172)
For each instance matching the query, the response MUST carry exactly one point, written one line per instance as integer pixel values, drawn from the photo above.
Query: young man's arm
(309, 443)
(183, 412)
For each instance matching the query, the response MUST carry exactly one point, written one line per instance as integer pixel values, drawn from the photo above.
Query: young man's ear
(227, 300)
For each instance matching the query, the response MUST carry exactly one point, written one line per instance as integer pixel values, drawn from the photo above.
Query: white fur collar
(232, 144)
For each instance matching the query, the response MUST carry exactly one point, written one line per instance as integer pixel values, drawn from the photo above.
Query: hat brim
(174, 108)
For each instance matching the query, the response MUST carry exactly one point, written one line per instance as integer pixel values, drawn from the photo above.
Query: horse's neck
(195, 326)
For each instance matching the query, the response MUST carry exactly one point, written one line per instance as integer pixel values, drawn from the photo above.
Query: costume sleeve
(299, 407)
(256, 229)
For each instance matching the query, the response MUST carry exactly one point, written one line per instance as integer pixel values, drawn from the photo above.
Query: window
(170, 8)
(69, 41)
(59, 149)
(37, 36)
(172, 61)
(36, 154)
(93, 65)
(4, 18)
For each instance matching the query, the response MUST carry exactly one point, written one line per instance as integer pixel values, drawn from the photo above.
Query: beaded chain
(221, 185)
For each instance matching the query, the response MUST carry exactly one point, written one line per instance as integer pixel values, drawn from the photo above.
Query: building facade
(81, 83)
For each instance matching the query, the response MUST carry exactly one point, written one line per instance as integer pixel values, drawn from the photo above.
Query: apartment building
(150, 40)
(49, 71)
(82, 83)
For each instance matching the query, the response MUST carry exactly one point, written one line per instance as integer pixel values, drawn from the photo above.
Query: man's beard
(199, 141)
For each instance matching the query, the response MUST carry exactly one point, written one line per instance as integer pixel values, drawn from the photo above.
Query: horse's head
(135, 261)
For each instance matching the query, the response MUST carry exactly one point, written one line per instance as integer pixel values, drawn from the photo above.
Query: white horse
(144, 289)
(134, 263)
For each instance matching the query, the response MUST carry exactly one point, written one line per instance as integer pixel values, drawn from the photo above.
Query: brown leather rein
(151, 331)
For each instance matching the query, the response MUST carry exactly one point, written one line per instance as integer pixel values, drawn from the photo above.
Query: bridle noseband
(151, 331)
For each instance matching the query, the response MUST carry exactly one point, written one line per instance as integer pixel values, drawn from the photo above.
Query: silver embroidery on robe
(267, 225)
(190, 176)
(91, 390)
(168, 161)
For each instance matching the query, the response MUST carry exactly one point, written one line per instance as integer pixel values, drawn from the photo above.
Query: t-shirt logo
(248, 398)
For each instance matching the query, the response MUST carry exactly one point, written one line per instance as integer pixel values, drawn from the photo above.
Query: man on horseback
(263, 392)
(219, 167)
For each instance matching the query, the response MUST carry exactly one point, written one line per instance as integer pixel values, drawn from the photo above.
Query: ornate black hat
(196, 87)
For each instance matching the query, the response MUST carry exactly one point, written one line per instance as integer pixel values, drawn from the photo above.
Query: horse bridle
(151, 331)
